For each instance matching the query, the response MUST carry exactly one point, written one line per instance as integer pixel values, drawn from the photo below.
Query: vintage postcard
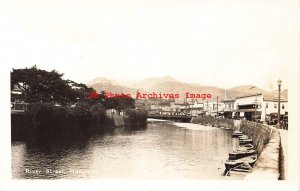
(150, 95)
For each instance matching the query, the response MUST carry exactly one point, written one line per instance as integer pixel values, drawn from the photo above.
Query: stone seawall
(266, 140)
(62, 125)
(21, 124)
(259, 133)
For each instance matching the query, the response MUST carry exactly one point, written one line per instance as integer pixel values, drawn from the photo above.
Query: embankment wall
(266, 140)
(52, 125)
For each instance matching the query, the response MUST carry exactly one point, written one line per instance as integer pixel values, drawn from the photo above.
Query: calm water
(165, 150)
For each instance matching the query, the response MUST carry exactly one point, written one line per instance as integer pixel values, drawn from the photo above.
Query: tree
(42, 86)
(119, 103)
(125, 103)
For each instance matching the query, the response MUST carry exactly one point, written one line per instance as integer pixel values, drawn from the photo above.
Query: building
(212, 108)
(258, 107)
(193, 108)
(248, 106)
(228, 107)
(17, 99)
(196, 108)
(270, 109)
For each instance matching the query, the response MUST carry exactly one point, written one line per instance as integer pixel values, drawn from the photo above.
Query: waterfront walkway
(284, 154)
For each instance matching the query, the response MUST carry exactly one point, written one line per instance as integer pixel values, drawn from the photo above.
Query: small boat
(242, 168)
(243, 137)
(245, 147)
(240, 154)
(237, 133)
(227, 128)
(230, 164)
(238, 170)
(245, 141)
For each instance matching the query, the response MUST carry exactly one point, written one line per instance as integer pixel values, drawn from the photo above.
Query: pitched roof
(250, 95)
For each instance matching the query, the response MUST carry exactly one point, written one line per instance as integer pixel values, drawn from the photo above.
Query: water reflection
(163, 151)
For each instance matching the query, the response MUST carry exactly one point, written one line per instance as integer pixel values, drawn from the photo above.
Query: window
(275, 105)
(267, 105)
(282, 106)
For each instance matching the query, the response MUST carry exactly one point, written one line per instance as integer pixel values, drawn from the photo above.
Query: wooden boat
(237, 133)
(240, 154)
(239, 170)
(243, 137)
(227, 128)
(245, 147)
(246, 141)
(230, 164)
(242, 168)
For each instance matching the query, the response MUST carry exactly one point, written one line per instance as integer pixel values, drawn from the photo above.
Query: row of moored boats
(215, 125)
(243, 158)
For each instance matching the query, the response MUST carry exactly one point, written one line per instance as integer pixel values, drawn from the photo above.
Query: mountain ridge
(168, 84)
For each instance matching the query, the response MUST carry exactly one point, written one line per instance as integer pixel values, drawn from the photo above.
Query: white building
(258, 105)
(213, 107)
(228, 107)
(196, 108)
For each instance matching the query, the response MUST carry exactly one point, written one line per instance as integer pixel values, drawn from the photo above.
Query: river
(164, 150)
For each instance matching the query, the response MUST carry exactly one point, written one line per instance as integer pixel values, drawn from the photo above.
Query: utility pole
(191, 108)
(278, 119)
(184, 103)
(207, 106)
(217, 106)
(255, 102)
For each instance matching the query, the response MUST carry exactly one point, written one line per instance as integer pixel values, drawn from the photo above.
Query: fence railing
(19, 106)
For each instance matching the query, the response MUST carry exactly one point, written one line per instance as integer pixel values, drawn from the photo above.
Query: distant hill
(182, 88)
(112, 88)
(148, 83)
(143, 84)
(102, 80)
(285, 94)
(167, 84)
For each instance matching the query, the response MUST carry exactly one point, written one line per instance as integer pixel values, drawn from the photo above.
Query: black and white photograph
(148, 93)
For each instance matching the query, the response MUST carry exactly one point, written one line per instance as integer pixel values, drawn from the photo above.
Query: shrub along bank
(135, 119)
(45, 121)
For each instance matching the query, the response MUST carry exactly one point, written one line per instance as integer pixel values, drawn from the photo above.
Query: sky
(219, 43)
